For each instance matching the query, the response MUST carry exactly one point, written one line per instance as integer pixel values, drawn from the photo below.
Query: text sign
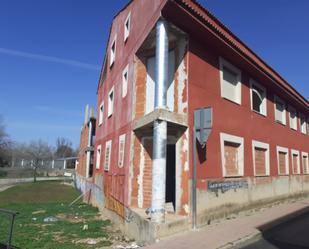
(203, 124)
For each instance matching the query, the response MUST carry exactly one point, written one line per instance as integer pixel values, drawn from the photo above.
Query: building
(84, 164)
(164, 60)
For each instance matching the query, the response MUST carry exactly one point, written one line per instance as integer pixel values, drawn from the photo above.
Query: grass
(3, 174)
(36, 201)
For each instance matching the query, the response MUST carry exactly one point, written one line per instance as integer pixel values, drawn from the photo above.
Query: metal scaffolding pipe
(160, 127)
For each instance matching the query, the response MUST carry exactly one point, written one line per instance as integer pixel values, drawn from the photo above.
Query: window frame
(295, 152)
(108, 144)
(122, 138)
(287, 165)
(261, 145)
(305, 154)
(126, 31)
(303, 125)
(223, 63)
(124, 85)
(110, 107)
(279, 100)
(292, 121)
(101, 113)
(113, 52)
(264, 101)
(98, 156)
(224, 137)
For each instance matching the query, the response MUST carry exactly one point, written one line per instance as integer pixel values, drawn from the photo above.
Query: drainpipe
(160, 127)
(88, 151)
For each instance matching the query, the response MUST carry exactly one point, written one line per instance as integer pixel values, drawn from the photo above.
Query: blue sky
(51, 53)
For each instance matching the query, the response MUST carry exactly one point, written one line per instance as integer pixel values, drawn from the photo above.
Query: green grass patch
(35, 202)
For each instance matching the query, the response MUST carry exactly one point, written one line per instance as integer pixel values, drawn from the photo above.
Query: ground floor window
(283, 160)
(295, 162)
(305, 162)
(260, 152)
(232, 155)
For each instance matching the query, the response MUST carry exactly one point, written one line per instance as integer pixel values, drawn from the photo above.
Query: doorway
(170, 188)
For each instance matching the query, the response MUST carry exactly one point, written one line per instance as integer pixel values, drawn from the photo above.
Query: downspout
(160, 126)
(88, 149)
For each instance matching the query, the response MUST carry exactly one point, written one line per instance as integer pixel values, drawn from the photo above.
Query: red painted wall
(239, 120)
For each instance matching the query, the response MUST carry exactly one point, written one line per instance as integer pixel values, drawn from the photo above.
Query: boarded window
(282, 162)
(295, 163)
(108, 150)
(231, 158)
(121, 150)
(260, 161)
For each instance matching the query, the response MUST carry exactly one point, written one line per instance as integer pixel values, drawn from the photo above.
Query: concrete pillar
(160, 127)
(64, 164)
(53, 164)
(88, 155)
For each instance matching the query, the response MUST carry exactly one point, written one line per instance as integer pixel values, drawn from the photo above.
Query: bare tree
(64, 148)
(37, 151)
(4, 143)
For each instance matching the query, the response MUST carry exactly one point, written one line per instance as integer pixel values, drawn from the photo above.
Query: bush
(3, 174)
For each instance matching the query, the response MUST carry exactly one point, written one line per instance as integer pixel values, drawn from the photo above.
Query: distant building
(164, 60)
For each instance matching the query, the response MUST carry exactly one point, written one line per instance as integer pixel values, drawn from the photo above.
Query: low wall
(222, 197)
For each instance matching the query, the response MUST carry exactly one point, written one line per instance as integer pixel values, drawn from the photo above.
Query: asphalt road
(293, 234)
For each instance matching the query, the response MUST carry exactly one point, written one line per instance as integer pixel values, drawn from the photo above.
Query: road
(293, 234)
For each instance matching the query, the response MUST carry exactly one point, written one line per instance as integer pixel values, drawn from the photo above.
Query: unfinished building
(164, 60)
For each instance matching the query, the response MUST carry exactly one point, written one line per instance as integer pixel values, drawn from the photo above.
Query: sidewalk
(234, 232)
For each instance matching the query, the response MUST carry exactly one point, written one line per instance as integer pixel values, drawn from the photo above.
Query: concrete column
(88, 152)
(53, 164)
(160, 127)
(64, 164)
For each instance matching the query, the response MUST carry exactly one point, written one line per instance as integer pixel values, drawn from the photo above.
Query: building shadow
(4, 246)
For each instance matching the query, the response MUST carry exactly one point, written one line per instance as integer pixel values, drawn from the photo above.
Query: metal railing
(12, 214)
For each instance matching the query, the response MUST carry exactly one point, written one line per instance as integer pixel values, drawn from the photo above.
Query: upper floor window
(293, 118)
(113, 52)
(127, 27)
(98, 161)
(280, 113)
(125, 81)
(110, 103)
(101, 114)
(258, 98)
(303, 124)
(230, 78)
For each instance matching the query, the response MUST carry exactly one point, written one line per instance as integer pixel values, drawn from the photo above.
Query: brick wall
(81, 168)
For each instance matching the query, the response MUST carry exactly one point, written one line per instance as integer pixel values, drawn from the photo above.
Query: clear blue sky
(51, 53)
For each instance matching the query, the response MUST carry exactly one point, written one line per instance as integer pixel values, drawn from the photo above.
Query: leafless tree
(4, 143)
(37, 151)
(64, 148)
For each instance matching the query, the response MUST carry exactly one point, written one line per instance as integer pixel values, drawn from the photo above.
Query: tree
(64, 148)
(37, 151)
(4, 143)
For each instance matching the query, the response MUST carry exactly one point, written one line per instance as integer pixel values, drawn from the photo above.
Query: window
(232, 155)
(305, 162)
(230, 78)
(258, 98)
(113, 52)
(280, 113)
(101, 114)
(295, 162)
(127, 27)
(121, 150)
(98, 162)
(293, 118)
(260, 158)
(108, 150)
(111, 102)
(283, 160)
(303, 128)
(125, 81)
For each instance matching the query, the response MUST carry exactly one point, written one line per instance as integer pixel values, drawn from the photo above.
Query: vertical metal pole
(160, 127)
(194, 176)
(11, 232)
